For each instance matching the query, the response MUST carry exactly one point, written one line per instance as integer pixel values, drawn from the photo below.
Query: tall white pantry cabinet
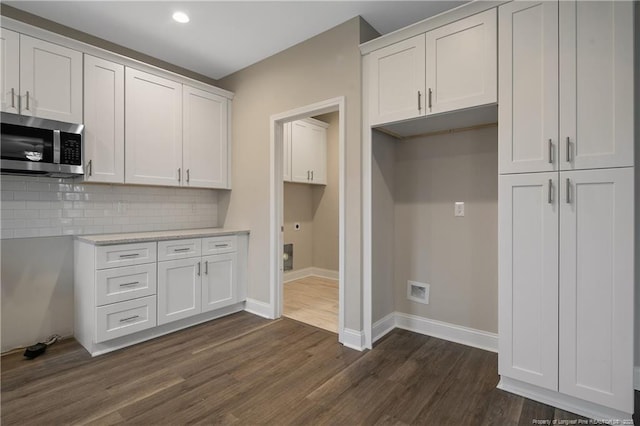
(566, 203)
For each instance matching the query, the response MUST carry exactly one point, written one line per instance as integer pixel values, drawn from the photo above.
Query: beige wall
(298, 208)
(326, 204)
(324, 67)
(383, 169)
(457, 256)
(37, 290)
(315, 207)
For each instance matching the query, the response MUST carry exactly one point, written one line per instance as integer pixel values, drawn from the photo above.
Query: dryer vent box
(418, 292)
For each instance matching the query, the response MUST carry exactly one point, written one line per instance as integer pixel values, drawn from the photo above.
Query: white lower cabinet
(178, 289)
(566, 283)
(219, 286)
(131, 292)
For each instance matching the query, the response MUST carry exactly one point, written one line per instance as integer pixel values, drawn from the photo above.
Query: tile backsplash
(45, 207)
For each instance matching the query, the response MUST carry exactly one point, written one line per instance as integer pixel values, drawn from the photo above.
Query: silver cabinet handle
(27, 108)
(188, 177)
(206, 267)
(181, 249)
(308, 175)
(550, 151)
(568, 150)
(550, 199)
(312, 175)
(419, 101)
(222, 245)
(568, 191)
(90, 167)
(13, 98)
(125, 256)
(430, 93)
(179, 174)
(129, 284)
(198, 268)
(130, 318)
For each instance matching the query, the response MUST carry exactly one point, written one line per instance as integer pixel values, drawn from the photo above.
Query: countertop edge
(142, 237)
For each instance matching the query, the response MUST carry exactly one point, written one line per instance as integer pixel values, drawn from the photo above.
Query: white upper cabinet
(461, 64)
(205, 139)
(528, 275)
(596, 84)
(309, 152)
(446, 69)
(566, 86)
(528, 98)
(40, 79)
(397, 81)
(153, 129)
(103, 120)
(596, 291)
(10, 70)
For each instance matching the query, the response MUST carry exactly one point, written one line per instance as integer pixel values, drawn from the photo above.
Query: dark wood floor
(247, 370)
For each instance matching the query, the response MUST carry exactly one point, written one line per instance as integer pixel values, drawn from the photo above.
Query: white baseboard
(309, 272)
(353, 339)
(383, 326)
(259, 308)
(562, 401)
(442, 330)
(636, 378)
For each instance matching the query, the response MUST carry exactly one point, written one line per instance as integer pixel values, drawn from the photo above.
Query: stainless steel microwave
(37, 146)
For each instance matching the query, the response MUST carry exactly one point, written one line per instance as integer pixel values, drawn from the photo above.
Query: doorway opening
(313, 195)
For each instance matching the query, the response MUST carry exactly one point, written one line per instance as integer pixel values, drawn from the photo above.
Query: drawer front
(130, 282)
(125, 255)
(123, 318)
(178, 249)
(219, 245)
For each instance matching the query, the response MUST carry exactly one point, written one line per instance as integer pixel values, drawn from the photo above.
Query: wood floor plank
(243, 369)
(312, 300)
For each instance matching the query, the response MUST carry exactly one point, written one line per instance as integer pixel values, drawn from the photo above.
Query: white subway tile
(12, 185)
(25, 233)
(6, 234)
(72, 213)
(38, 205)
(7, 196)
(13, 223)
(49, 232)
(26, 196)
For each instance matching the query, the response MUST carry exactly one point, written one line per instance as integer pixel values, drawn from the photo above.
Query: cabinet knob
(13, 98)
(27, 108)
(430, 93)
(419, 101)
(568, 150)
(550, 151)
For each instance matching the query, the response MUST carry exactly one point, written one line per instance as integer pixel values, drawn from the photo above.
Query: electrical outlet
(458, 209)
(296, 226)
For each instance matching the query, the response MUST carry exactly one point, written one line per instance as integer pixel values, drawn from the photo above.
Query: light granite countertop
(139, 237)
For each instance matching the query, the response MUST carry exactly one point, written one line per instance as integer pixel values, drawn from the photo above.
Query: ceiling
(223, 36)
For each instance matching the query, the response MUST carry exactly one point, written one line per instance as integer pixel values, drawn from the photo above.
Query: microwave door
(26, 144)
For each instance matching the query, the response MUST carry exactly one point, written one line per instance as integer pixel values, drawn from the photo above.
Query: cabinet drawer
(178, 249)
(125, 255)
(123, 318)
(120, 284)
(219, 245)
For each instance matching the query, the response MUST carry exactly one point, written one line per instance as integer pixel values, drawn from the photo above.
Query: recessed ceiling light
(181, 17)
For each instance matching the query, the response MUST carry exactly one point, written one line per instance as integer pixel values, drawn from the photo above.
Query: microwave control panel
(70, 151)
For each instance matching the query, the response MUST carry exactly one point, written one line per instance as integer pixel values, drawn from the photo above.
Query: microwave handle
(56, 146)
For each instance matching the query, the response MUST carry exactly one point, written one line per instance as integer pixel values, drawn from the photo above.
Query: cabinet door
(528, 96)
(178, 289)
(153, 131)
(397, 81)
(103, 120)
(461, 64)
(596, 291)
(286, 152)
(301, 152)
(308, 153)
(596, 84)
(528, 278)
(205, 139)
(219, 286)
(50, 80)
(9, 71)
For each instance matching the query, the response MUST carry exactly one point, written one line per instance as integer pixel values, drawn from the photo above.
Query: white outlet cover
(418, 292)
(458, 209)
